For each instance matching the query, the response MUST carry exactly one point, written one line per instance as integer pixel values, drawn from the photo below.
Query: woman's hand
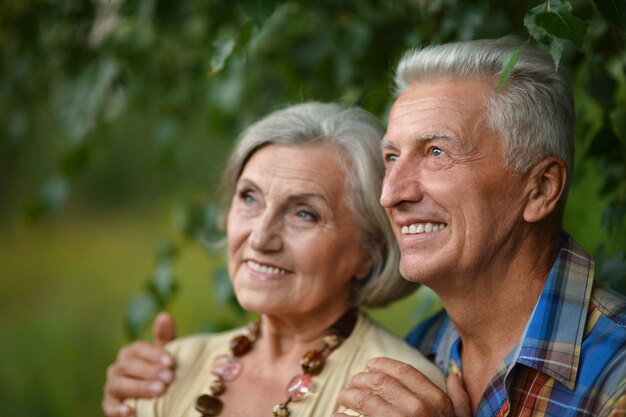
(141, 370)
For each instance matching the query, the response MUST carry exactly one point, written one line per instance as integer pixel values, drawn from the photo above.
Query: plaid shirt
(571, 359)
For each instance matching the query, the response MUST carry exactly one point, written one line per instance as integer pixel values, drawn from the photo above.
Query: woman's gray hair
(534, 113)
(358, 134)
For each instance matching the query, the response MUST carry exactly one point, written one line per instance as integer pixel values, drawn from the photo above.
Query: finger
(366, 402)
(459, 396)
(413, 379)
(120, 388)
(391, 391)
(114, 408)
(146, 352)
(137, 368)
(163, 329)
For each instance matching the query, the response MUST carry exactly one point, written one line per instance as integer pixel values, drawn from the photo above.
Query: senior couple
(473, 183)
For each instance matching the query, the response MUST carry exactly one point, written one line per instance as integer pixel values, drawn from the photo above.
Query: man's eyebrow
(435, 134)
(432, 135)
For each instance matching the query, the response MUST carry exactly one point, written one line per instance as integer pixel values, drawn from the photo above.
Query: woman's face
(292, 240)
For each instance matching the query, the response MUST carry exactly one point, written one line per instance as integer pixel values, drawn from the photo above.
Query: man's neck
(491, 307)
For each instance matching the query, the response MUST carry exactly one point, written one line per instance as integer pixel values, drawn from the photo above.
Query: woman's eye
(307, 215)
(246, 197)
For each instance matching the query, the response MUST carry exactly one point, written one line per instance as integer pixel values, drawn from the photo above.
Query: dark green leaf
(507, 67)
(259, 10)
(222, 49)
(612, 271)
(564, 26)
(140, 311)
(163, 283)
(614, 11)
(618, 121)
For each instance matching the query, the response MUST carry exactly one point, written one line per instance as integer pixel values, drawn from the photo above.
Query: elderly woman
(308, 245)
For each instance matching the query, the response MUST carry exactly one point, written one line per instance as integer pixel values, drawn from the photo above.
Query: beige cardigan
(194, 357)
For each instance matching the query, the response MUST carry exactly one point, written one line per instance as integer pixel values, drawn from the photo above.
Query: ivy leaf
(163, 283)
(140, 311)
(614, 11)
(563, 26)
(507, 67)
(51, 197)
(551, 24)
(222, 50)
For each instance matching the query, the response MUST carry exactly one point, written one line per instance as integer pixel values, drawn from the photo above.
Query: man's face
(452, 203)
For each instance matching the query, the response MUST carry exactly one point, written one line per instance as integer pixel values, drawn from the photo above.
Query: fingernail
(166, 376)
(156, 387)
(371, 362)
(167, 360)
(124, 410)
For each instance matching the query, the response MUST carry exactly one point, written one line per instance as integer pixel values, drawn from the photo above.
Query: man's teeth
(417, 228)
(265, 269)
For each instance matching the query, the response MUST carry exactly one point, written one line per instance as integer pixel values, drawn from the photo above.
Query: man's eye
(391, 157)
(437, 151)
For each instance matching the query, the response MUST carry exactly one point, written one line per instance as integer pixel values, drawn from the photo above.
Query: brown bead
(312, 362)
(209, 405)
(217, 387)
(332, 341)
(240, 345)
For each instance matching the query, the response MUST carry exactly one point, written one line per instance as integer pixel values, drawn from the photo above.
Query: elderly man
(475, 188)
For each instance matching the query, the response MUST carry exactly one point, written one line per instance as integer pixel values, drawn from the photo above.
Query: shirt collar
(552, 340)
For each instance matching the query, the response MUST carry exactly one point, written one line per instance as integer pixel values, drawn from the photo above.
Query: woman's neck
(286, 337)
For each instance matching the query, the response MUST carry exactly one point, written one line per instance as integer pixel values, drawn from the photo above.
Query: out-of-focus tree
(75, 73)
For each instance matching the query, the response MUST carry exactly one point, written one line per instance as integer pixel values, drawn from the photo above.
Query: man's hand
(391, 388)
(141, 370)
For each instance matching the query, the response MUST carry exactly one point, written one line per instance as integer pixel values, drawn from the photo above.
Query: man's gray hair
(357, 135)
(534, 113)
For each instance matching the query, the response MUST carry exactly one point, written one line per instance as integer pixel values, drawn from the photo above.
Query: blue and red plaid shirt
(571, 358)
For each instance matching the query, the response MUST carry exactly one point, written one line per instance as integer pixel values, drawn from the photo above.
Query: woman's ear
(546, 186)
(364, 268)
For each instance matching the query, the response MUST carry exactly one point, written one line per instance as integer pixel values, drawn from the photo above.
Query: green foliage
(179, 80)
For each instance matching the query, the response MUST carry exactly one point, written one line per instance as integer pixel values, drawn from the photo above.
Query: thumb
(163, 329)
(458, 395)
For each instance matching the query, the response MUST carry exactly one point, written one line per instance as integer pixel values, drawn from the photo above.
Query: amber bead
(240, 345)
(208, 405)
(313, 362)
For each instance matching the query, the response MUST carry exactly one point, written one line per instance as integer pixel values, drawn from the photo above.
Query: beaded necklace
(226, 367)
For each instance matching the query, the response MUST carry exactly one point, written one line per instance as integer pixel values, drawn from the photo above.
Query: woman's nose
(265, 235)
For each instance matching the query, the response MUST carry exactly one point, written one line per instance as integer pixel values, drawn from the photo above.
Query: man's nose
(401, 184)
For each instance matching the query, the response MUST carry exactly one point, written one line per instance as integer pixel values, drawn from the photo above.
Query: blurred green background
(115, 119)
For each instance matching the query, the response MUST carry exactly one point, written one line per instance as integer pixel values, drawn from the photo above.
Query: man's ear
(546, 185)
